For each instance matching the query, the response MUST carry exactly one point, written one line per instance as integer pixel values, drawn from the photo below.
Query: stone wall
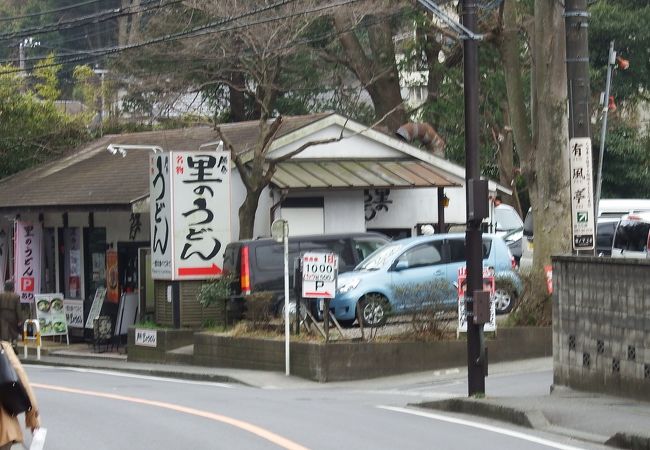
(601, 325)
(339, 361)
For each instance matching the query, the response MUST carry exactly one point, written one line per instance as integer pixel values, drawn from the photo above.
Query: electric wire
(193, 32)
(43, 13)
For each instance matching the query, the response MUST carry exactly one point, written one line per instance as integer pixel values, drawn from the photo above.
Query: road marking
(249, 427)
(504, 431)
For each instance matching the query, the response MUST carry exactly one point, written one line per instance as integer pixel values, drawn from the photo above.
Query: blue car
(413, 274)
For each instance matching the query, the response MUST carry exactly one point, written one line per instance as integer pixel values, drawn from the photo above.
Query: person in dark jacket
(10, 431)
(9, 314)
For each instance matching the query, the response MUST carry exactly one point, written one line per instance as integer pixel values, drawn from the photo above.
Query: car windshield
(380, 257)
(506, 219)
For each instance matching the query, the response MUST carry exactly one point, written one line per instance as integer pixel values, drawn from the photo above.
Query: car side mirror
(401, 265)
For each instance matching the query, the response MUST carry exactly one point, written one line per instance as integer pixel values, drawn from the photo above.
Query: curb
(181, 375)
(533, 419)
(477, 407)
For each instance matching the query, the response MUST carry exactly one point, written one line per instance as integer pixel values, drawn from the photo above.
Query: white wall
(344, 212)
(413, 206)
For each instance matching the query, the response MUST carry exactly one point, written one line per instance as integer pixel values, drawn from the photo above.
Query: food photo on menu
(51, 315)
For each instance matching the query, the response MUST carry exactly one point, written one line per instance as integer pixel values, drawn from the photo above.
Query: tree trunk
(237, 99)
(377, 74)
(550, 197)
(247, 212)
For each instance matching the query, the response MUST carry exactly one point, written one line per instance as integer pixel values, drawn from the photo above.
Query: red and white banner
(27, 260)
(4, 250)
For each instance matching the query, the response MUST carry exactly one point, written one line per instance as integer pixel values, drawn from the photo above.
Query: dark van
(258, 264)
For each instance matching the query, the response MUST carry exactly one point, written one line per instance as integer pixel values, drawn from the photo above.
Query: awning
(346, 174)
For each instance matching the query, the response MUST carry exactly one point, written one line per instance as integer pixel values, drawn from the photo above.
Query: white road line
(504, 431)
(138, 376)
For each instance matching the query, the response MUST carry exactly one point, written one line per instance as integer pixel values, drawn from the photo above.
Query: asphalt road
(84, 409)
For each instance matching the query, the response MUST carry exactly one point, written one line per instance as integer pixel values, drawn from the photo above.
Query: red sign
(193, 271)
(548, 270)
(113, 277)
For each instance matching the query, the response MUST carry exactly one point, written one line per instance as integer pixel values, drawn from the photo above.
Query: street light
(607, 103)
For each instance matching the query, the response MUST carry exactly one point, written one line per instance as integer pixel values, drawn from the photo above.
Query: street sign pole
(280, 232)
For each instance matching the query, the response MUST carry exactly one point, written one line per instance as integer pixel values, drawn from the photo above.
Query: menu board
(51, 314)
(96, 307)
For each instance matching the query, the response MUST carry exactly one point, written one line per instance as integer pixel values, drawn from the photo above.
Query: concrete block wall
(601, 325)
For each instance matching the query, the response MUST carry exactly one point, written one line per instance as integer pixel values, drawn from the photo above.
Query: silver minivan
(632, 236)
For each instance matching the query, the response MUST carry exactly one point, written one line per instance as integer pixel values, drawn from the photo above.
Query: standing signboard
(190, 210)
(51, 314)
(319, 275)
(582, 206)
(96, 307)
(27, 260)
(488, 285)
(74, 312)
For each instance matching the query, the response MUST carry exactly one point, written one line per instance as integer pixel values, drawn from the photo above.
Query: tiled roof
(91, 177)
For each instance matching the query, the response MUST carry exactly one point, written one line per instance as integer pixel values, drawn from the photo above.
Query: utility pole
(474, 191)
(583, 214)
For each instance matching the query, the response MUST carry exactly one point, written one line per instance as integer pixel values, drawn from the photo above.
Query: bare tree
(542, 145)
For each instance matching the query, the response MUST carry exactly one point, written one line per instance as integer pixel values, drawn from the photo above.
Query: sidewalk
(591, 417)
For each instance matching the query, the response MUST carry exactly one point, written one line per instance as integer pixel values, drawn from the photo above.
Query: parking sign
(319, 274)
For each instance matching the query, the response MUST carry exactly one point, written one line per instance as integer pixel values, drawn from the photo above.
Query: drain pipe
(275, 206)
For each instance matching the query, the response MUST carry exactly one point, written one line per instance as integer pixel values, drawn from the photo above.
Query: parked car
(632, 237)
(375, 284)
(605, 226)
(504, 221)
(258, 264)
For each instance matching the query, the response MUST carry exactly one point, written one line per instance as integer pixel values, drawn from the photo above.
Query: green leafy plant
(215, 290)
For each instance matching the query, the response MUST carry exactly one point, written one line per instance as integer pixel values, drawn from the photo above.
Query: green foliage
(215, 290)
(148, 324)
(32, 130)
(626, 163)
(47, 86)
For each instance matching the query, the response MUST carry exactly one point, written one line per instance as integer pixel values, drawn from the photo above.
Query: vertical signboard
(190, 210)
(161, 220)
(3, 256)
(27, 260)
(582, 206)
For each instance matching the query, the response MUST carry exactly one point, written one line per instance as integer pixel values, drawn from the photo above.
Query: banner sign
(582, 205)
(3, 256)
(488, 285)
(50, 314)
(27, 260)
(190, 211)
(74, 312)
(113, 279)
(319, 275)
(146, 338)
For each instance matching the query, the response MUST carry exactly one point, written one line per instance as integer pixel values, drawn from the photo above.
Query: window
(423, 255)
(365, 247)
(270, 257)
(457, 249)
(632, 236)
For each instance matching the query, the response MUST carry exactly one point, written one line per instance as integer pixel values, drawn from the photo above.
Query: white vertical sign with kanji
(160, 200)
(27, 260)
(201, 212)
(582, 206)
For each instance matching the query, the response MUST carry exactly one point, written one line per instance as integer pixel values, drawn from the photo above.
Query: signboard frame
(190, 196)
(319, 275)
(582, 196)
(50, 313)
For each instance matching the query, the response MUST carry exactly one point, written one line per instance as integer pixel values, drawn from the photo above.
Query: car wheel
(374, 310)
(504, 300)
